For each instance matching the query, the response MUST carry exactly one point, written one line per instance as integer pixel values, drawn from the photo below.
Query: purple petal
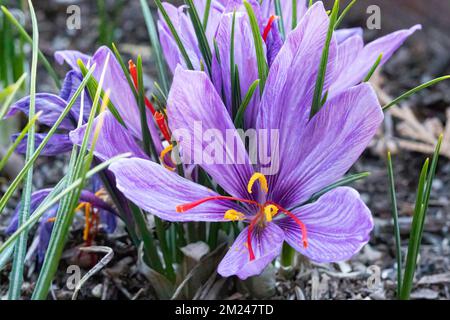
(338, 225)
(45, 232)
(356, 71)
(289, 90)
(266, 244)
(51, 106)
(71, 57)
(244, 58)
(274, 43)
(58, 143)
(194, 107)
(113, 139)
(331, 142)
(71, 83)
(348, 51)
(344, 34)
(159, 191)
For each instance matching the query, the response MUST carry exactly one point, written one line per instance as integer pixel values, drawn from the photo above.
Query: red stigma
(162, 124)
(268, 27)
(191, 205)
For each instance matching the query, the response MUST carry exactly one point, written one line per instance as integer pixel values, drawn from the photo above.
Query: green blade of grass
(279, 13)
(200, 33)
(396, 224)
(25, 35)
(16, 182)
(14, 88)
(239, 120)
(20, 249)
(294, 14)
(125, 71)
(175, 34)
(154, 39)
(373, 68)
(420, 212)
(415, 90)
(318, 91)
(344, 13)
(206, 13)
(19, 139)
(258, 42)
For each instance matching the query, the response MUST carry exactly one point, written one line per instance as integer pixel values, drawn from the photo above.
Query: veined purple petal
(199, 119)
(266, 244)
(348, 51)
(356, 71)
(338, 225)
(159, 191)
(58, 143)
(71, 83)
(344, 34)
(274, 44)
(289, 90)
(51, 106)
(330, 144)
(113, 139)
(244, 58)
(71, 57)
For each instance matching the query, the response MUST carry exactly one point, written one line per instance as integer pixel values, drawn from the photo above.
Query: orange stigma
(268, 27)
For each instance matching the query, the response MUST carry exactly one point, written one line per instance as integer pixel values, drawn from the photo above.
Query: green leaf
(324, 62)
(25, 35)
(238, 121)
(396, 224)
(263, 69)
(373, 68)
(154, 39)
(174, 34)
(294, 14)
(415, 90)
(206, 14)
(124, 70)
(344, 13)
(279, 13)
(20, 249)
(11, 92)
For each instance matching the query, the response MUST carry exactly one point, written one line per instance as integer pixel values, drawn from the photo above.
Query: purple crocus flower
(52, 106)
(106, 214)
(312, 155)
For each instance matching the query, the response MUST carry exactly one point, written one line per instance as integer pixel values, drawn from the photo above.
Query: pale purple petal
(338, 225)
(51, 106)
(58, 143)
(113, 139)
(288, 94)
(196, 111)
(344, 34)
(71, 57)
(358, 70)
(348, 51)
(330, 144)
(71, 84)
(266, 245)
(159, 191)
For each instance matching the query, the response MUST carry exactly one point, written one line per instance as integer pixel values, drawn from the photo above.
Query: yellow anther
(262, 181)
(163, 155)
(234, 215)
(270, 211)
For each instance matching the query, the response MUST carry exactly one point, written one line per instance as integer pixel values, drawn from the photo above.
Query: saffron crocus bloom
(52, 106)
(312, 155)
(98, 215)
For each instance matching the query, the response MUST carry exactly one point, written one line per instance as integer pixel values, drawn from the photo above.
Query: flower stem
(287, 255)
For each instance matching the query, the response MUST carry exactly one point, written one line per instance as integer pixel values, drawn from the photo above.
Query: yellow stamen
(50, 220)
(163, 155)
(270, 211)
(234, 215)
(262, 181)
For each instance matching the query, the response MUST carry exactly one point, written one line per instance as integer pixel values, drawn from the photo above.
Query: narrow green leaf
(415, 90)
(154, 39)
(174, 34)
(258, 41)
(20, 249)
(25, 35)
(124, 70)
(396, 224)
(206, 13)
(13, 89)
(324, 62)
(373, 68)
(279, 13)
(238, 121)
(344, 13)
(294, 14)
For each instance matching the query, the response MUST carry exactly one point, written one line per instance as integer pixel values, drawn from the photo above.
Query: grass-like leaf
(420, 212)
(294, 14)
(27, 37)
(318, 91)
(11, 92)
(344, 13)
(396, 224)
(373, 68)
(263, 69)
(279, 13)
(414, 91)
(239, 120)
(20, 249)
(156, 45)
(206, 13)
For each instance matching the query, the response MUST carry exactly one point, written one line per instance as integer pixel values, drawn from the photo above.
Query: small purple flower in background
(313, 154)
(98, 215)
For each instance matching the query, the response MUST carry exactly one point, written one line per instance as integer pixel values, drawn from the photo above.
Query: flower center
(266, 212)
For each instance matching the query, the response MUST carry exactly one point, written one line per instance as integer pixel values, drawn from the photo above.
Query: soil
(369, 275)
